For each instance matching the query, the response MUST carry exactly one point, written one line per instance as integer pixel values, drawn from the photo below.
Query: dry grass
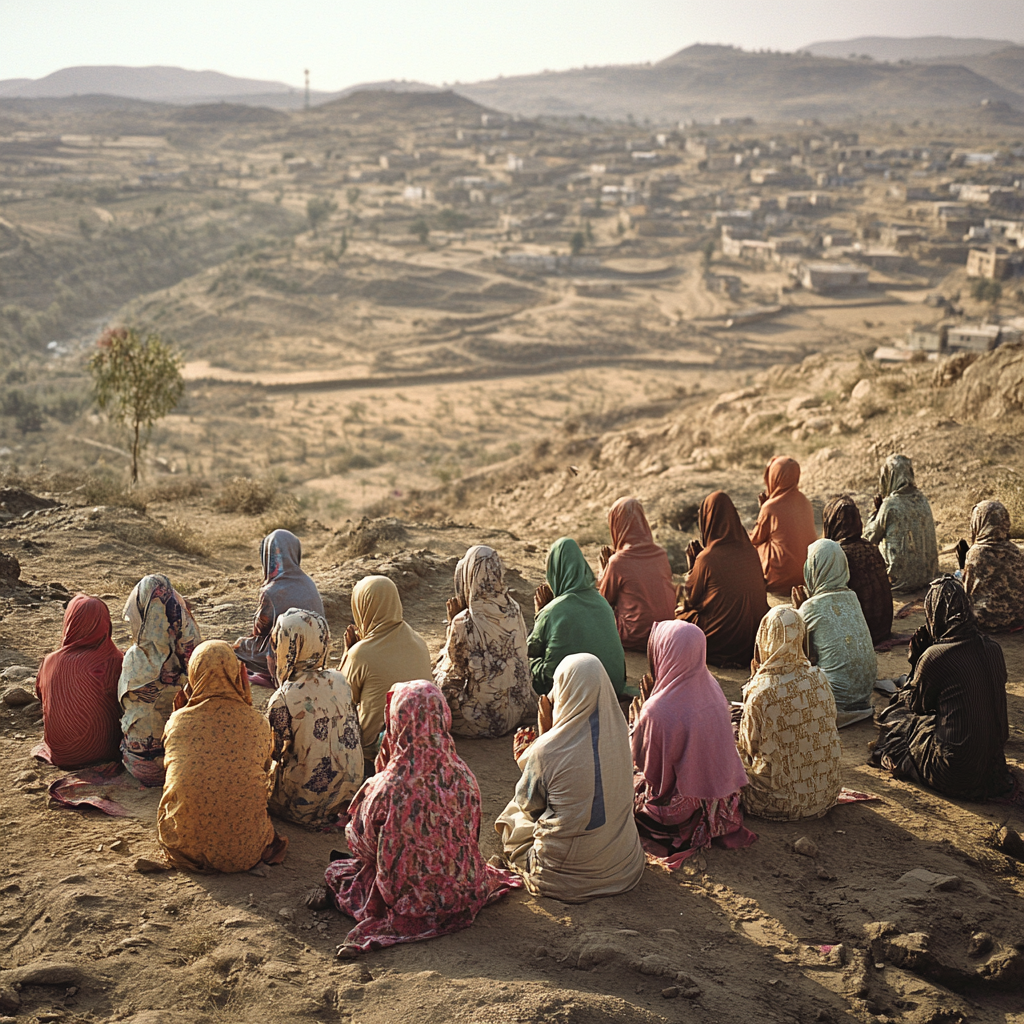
(249, 496)
(176, 489)
(178, 535)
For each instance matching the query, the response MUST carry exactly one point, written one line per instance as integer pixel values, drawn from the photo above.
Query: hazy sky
(344, 42)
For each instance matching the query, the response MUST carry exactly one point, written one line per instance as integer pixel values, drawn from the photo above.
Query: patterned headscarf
(841, 520)
(300, 641)
(947, 611)
(164, 635)
(990, 523)
(780, 642)
(896, 476)
(826, 569)
(280, 555)
(215, 673)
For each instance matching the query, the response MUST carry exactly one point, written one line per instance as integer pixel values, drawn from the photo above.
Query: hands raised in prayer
(798, 595)
(522, 739)
(542, 595)
(762, 498)
(454, 606)
(878, 502)
(919, 643)
(545, 715)
(693, 549)
(962, 548)
(351, 636)
(637, 703)
(604, 557)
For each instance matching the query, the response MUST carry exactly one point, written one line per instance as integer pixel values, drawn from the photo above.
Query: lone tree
(577, 242)
(136, 381)
(421, 229)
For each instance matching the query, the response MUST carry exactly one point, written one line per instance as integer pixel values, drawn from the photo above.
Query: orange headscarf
(214, 672)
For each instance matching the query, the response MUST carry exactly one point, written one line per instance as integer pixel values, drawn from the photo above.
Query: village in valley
(414, 319)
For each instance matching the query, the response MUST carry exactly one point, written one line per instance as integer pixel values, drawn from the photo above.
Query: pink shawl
(683, 741)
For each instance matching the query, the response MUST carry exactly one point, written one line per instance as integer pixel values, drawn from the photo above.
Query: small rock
(237, 922)
(144, 866)
(35, 708)
(1010, 841)
(26, 777)
(285, 913)
(17, 673)
(133, 942)
(17, 697)
(805, 847)
(922, 877)
(541, 952)
(260, 871)
(825, 876)
(980, 944)
(117, 844)
(861, 390)
(672, 992)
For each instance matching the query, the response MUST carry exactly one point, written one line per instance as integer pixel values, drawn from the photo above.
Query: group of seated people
(612, 775)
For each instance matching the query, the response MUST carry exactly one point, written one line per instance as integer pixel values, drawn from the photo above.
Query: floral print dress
(317, 746)
(484, 670)
(416, 870)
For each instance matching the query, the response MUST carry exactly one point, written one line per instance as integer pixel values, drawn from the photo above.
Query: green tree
(136, 381)
(352, 196)
(421, 229)
(319, 209)
(452, 220)
(577, 242)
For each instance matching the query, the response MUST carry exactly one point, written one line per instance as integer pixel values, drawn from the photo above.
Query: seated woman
(785, 526)
(569, 830)
(869, 580)
(947, 727)
(724, 593)
(838, 640)
(572, 618)
(416, 871)
(636, 578)
(788, 741)
(383, 650)
(285, 586)
(318, 754)
(903, 528)
(484, 670)
(213, 815)
(164, 634)
(687, 775)
(993, 569)
(77, 685)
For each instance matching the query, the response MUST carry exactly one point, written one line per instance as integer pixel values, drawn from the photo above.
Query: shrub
(248, 496)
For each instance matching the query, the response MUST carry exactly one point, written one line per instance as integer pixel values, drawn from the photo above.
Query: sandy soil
(763, 933)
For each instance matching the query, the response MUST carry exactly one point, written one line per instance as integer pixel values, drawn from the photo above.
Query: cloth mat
(851, 796)
(896, 640)
(99, 785)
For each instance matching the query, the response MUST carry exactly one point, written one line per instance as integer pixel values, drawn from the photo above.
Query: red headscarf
(78, 687)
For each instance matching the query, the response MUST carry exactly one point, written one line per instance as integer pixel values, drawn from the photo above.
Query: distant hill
(1004, 67)
(914, 48)
(391, 103)
(702, 82)
(160, 84)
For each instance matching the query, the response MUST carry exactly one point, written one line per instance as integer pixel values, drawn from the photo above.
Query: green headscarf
(826, 569)
(567, 569)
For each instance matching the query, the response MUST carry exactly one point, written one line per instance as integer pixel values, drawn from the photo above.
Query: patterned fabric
(687, 774)
(389, 651)
(285, 586)
(903, 528)
(77, 685)
(838, 639)
(578, 621)
(569, 829)
(785, 526)
(725, 593)
(869, 579)
(484, 670)
(164, 634)
(213, 815)
(414, 829)
(637, 581)
(788, 740)
(994, 570)
(947, 727)
(318, 756)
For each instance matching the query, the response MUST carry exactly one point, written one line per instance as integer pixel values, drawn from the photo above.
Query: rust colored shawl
(637, 582)
(785, 527)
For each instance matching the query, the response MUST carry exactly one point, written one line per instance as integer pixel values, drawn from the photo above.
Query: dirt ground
(763, 933)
